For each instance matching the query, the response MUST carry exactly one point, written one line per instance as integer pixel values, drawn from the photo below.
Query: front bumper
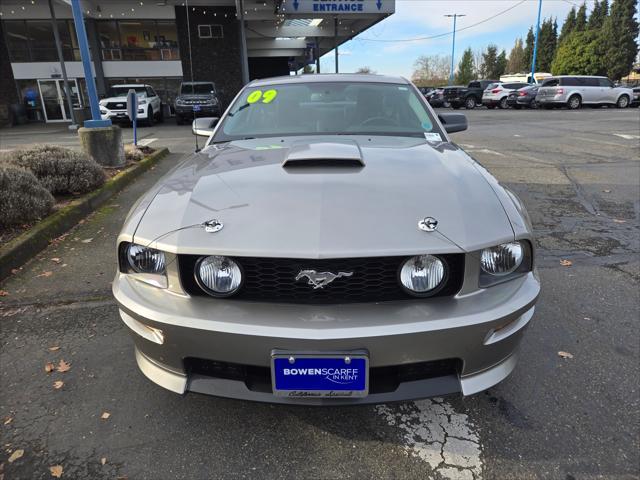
(121, 115)
(204, 111)
(481, 331)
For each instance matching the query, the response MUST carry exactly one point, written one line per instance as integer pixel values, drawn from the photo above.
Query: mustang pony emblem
(320, 279)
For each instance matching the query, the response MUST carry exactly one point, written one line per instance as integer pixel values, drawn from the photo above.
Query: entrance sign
(338, 7)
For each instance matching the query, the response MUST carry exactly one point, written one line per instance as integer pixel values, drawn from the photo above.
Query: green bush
(59, 169)
(22, 198)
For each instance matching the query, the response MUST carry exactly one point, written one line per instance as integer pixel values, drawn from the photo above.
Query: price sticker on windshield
(262, 97)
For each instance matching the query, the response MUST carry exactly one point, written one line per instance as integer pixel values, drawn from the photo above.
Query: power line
(447, 33)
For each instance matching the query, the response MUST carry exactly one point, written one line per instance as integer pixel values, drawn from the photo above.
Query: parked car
(196, 99)
(436, 98)
(523, 97)
(299, 258)
(468, 97)
(573, 91)
(114, 107)
(537, 79)
(426, 90)
(495, 95)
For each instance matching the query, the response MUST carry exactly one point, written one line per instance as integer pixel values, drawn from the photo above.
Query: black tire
(446, 105)
(470, 103)
(150, 117)
(623, 101)
(574, 102)
(502, 104)
(533, 104)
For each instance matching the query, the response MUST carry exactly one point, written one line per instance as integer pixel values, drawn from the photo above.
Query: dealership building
(163, 42)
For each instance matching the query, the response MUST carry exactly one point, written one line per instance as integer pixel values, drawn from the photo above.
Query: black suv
(196, 99)
(467, 97)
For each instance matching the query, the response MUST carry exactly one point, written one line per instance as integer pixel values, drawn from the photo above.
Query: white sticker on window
(432, 136)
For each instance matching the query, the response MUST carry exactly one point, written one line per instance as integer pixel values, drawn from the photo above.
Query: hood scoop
(324, 154)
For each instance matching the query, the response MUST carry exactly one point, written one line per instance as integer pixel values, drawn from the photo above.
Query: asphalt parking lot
(574, 418)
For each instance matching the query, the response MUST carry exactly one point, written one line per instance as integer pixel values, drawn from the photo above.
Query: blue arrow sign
(295, 4)
(379, 4)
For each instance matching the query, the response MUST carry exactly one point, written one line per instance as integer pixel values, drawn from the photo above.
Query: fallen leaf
(49, 367)
(63, 366)
(3, 293)
(565, 355)
(45, 274)
(56, 260)
(566, 263)
(616, 220)
(8, 420)
(15, 270)
(103, 460)
(87, 240)
(58, 384)
(105, 415)
(16, 455)
(54, 348)
(64, 264)
(606, 191)
(56, 471)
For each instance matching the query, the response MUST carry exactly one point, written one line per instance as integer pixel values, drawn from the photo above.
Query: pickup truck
(467, 97)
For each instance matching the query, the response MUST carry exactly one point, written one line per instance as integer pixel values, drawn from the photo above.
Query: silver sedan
(328, 245)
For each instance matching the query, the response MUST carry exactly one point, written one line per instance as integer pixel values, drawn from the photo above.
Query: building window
(210, 31)
(17, 40)
(33, 40)
(138, 40)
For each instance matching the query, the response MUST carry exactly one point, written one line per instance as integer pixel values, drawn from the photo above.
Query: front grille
(374, 279)
(116, 105)
(381, 379)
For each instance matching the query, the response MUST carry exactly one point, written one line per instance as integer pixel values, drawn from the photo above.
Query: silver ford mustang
(328, 245)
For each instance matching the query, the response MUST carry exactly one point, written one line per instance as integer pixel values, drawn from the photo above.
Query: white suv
(115, 106)
(496, 94)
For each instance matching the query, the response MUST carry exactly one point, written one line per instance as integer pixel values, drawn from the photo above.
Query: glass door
(54, 99)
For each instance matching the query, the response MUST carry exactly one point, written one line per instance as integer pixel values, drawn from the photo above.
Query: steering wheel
(380, 121)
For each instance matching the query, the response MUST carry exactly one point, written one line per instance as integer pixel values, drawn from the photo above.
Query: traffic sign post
(132, 111)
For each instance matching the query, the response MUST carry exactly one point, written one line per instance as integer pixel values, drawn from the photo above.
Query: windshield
(329, 108)
(123, 91)
(197, 89)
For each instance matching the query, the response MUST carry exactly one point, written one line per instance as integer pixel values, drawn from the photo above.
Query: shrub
(22, 198)
(133, 153)
(59, 169)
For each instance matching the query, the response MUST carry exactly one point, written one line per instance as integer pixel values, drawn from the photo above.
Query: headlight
(145, 260)
(501, 260)
(422, 274)
(504, 262)
(141, 101)
(219, 276)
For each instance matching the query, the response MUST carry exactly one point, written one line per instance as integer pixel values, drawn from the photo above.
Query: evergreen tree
(528, 49)
(569, 24)
(547, 42)
(619, 33)
(465, 71)
(501, 64)
(581, 18)
(517, 62)
(490, 62)
(595, 19)
(578, 55)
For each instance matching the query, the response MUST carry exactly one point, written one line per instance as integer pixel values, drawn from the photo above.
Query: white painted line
(146, 141)
(627, 136)
(447, 440)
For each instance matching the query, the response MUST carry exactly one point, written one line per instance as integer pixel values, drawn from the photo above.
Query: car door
(154, 99)
(591, 88)
(608, 94)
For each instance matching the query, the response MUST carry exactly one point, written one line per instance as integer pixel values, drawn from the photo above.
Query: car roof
(329, 77)
(575, 76)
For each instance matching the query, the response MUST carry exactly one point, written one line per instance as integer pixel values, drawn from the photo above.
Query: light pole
(453, 48)
(535, 44)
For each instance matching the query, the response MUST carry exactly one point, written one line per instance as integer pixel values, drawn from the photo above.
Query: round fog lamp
(218, 275)
(502, 259)
(422, 274)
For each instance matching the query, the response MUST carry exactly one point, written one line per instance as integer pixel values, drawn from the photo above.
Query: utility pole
(535, 44)
(453, 48)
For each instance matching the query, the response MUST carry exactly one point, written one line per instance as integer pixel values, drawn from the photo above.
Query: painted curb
(24, 247)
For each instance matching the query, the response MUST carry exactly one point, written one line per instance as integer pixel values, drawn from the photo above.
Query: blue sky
(419, 18)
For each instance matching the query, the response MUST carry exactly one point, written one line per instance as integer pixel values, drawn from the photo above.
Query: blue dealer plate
(320, 375)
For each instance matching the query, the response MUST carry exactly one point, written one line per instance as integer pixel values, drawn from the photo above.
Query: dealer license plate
(320, 374)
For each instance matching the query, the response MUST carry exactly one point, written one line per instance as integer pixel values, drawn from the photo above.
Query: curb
(22, 248)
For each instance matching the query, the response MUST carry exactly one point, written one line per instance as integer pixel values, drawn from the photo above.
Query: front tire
(623, 102)
(502, 104)
(574, 102)
(470, 103)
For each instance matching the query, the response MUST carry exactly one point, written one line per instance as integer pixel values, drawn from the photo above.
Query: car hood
(121, 99)
(312, 208)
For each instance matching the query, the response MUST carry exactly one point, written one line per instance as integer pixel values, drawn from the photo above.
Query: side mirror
(204, 126)
(453, 122)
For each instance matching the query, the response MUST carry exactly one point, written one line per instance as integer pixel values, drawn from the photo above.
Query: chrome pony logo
(320, 279)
